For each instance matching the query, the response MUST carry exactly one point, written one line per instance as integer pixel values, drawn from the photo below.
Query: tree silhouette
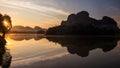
(5, 24)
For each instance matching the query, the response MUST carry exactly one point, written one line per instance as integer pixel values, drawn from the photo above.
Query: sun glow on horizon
(32, 14)
(48, 13)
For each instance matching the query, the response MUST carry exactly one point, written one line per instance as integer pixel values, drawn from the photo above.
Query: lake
(36, 51)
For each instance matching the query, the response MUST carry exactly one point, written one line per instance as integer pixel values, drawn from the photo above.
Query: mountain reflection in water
(20, 37)
(82, 45)
(76, 45)
(38, 51)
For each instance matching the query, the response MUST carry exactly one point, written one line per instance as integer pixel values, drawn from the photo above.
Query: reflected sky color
(31, 52)
(47, 13)
(27, 52)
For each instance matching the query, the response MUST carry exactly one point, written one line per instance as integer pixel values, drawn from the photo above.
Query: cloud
(32, 6)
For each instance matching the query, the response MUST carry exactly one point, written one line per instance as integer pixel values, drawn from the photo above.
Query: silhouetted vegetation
(82, 24)
(41, 32)
(83, 45)
(5, 24)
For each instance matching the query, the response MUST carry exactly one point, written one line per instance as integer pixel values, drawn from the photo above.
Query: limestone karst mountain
(82, 24)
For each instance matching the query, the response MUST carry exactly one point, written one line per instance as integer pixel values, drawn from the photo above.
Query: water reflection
(83, 45)
(76, 45)
(20, 37)
(28, 52)
(5, 56)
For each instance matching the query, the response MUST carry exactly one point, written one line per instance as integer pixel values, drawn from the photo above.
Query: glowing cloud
(32, 6)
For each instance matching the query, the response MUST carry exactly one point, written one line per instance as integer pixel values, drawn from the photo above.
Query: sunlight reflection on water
(34, 50)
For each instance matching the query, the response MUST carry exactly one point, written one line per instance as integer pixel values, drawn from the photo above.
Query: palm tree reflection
(5, 56)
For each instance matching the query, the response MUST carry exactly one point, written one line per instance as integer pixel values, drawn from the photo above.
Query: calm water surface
(35, 51)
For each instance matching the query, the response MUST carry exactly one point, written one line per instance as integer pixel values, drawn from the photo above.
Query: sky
(48, 13)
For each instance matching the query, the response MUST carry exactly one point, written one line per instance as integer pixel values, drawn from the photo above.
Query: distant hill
(27, 29)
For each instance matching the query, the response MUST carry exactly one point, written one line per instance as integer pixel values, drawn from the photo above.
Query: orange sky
(30, 14)
(48, 13)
